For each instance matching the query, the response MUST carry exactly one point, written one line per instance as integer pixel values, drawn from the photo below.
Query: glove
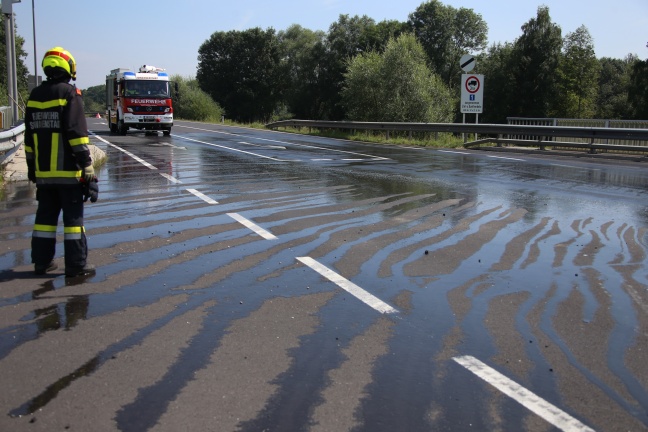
(91, 190)
(31, 171)
(89, 174)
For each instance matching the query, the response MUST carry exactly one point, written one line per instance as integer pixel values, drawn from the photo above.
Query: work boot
(86, 270)
(41, 269)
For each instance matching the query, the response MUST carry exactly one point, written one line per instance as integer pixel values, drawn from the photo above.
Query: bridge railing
(604, 123)
(592, 139)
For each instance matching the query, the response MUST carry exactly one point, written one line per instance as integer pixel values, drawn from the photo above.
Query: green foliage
(614, 80)
(22, 73)
(94, 99)
(497, 65)
(396, 86)
(240, 71)
(638, 90)
(347, 38)
(300, 52)
(191, 103)
(447, 33)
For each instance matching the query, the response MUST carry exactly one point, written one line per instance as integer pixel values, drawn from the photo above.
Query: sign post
(472, 89)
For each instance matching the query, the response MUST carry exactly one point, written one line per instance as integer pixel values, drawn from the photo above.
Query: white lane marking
(270, 146)
(170, 178)
(529, 400)
(286, 143)
(142, 161)
(576, 167)
(202, 196)
(508, 158)
(251, 225)
(453, 151)
(348, 286)
(171, 145)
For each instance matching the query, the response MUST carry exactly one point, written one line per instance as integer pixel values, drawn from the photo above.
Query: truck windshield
(147, 88)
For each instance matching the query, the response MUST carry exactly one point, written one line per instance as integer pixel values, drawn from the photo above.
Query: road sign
(472, 93)
(467, 62)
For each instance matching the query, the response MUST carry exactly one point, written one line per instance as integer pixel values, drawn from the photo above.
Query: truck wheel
(166, 132)
(121, 127)
(111, 125)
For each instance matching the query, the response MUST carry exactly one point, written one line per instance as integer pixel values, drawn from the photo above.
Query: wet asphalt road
(250, 280)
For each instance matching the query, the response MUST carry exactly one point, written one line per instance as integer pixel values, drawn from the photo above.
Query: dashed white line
(202, 196)
(170, 178)
(278, 142)
(526, 398)
(348, 286)
(251, 225)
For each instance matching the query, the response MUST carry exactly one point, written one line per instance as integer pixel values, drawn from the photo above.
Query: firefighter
(60, 163)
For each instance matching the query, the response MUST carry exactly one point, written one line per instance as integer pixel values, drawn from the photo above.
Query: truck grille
(148, 109)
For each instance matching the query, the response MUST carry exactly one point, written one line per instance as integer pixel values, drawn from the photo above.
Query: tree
(239, 70)
(613, 83)
(497, 65)
(346, 38)
(191, 103)
(536, 56)
(638, 90)
(301, 51)
(22, 73)
(396, 85)
(579, 70)
(446, 34)
(94, 98)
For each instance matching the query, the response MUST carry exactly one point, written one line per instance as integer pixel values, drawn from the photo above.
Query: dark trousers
(51, 201)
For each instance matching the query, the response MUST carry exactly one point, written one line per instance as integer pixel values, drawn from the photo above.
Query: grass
(421, 139)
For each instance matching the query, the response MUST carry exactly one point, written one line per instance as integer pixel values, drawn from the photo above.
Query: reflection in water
(54, 316)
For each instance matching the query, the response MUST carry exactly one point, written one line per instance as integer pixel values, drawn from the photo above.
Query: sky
(105, 35)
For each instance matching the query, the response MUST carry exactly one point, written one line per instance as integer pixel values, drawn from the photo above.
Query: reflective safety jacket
(56, 134)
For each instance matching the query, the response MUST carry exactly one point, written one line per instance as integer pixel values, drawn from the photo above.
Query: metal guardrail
(10, 141)
(6, 117)
(495, 133)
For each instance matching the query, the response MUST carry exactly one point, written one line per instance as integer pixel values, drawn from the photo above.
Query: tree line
(409, 71)
(365, 70)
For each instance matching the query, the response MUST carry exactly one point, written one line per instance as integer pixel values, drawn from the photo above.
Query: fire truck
(139, 100)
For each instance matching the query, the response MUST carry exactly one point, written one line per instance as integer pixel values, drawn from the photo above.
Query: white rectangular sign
(472, 93)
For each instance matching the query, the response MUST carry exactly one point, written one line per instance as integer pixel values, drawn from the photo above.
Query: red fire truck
(139, 100)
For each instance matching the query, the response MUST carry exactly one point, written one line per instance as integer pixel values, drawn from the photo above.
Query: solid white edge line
(507, 158)
(348, 286)
(526, 398)
(138, 159)
(454, 152)
(251, 225)
(202, 196)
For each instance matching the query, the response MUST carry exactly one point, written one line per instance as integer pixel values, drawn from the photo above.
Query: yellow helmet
(58, 57)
